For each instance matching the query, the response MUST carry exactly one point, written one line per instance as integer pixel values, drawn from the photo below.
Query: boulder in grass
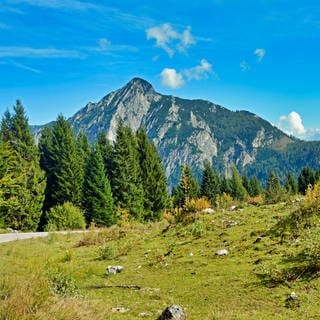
(173, 312)
(114, 269)
(222, 252)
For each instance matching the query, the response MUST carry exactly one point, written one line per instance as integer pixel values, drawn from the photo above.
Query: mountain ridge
(191, 131)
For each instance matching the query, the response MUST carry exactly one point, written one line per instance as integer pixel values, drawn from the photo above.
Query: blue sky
(261, 55)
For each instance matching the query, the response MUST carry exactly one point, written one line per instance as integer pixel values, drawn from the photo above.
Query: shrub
(65, 217)
(257, 200)
(225, 200)
(63, 284)
(312, 199)
(202, 203)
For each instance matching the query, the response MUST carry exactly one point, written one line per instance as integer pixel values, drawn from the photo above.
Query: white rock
(173, 312)
(120, 310)
(222, 252)
(114, 269)
(208, 210)
(293, 296)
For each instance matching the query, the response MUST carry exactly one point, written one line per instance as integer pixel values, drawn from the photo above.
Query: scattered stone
(145, 314)
(232, 208)
(232, 223)
(258, 239)
(222, 252)
(292, 296)
(174, 312)
(114, 269)
(120, 310)
(208, 210)
(191, 254)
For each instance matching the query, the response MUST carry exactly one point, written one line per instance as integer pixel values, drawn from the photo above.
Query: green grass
(162, 266)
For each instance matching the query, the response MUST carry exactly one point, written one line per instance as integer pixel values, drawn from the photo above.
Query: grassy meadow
(63, 276)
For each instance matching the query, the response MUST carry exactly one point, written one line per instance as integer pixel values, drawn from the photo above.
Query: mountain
(191, 131)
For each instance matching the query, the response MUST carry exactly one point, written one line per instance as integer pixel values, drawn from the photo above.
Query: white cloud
(199, 72)
(58, 4)
(169, 39)
(104, 43)
(29, 52)
(24, 67)
(244, 66)
(292, 124)
(260, 53)
(171, 78)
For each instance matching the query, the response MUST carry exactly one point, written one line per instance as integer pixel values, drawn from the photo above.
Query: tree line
(101, 179)
(105, 180)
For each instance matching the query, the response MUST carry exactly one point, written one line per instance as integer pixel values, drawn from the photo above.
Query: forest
(64, 182)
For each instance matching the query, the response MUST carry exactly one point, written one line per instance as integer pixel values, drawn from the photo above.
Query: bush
(202, 203)
(225, 201)
(312, 199)
(63, 284)
(65, 217)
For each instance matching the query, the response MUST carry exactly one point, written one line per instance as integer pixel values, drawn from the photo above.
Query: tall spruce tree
(97, 200)
(59, 158)
(154, 181)
(30, 179)
(255, 187)
(274, 191)
(291, 185)
(107, 153)
(238, 191)
(246, 184)
(225, 185)
(126, 174)
(210, 184)
(187, 188)
(306, 178)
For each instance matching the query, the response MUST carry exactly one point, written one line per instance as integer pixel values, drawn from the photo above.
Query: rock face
(173, 312)
(191, 131)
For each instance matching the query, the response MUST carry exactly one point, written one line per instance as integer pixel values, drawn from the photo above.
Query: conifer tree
(126, 175)
(97, 197)
(255, 187)
(237, 189)
(246, 184)
(25, 170)
(305, 179)
(225, 185)
(60, 160)
(188, 186)
(210, 184)
(274, 191)
(154, 181)
(107, 153)
(291, 185)
(83, 153)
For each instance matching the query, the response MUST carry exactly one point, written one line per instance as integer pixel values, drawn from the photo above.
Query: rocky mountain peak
(138, 85)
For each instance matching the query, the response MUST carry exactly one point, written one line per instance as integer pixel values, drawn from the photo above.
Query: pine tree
(291, 185)
(154, 181)
(225, 185)
(306, 178)
(107, 153)
(210, 184)
(83, 153)
(274, 192)
(60, 160)
(24, 170)
(255, 187)
(188, 186)
(126, 175)
(237, 189)
(246, 184)
(97, 197)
